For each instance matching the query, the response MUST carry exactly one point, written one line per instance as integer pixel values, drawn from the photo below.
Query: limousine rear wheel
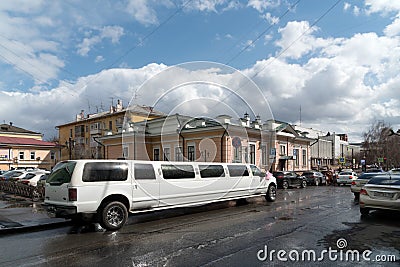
(271, 193)
(114, 215)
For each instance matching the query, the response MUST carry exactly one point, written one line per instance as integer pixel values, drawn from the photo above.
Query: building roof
(5, 140)
(9, 128)
(135, 109)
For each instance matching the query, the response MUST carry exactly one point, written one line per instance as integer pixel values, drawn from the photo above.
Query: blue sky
(335, 59)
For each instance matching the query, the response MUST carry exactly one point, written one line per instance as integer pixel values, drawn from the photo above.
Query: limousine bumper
(59, 211)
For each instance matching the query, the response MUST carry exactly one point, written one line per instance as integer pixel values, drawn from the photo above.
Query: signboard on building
(342, 160)
(236, 142)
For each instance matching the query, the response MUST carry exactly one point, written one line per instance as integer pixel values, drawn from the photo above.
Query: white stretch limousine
(105, 190)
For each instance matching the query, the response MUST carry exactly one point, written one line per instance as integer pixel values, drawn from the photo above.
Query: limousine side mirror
(263, 174)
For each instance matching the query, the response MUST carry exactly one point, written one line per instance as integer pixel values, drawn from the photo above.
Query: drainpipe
(101, 144)
(222, 138)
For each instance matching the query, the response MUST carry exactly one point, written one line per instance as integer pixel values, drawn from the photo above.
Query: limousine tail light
(279, 177)
(350, 177)
(363, 192)
(72, 194)
(353, 183)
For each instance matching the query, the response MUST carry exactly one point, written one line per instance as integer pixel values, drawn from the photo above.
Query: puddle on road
(379, 233)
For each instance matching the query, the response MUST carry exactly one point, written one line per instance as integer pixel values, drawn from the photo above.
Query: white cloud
(108, 32)
(346, 6)
(382, 6)
(393, 29)
(271, 19)
(297, 39)
(262, 5)
(99, 59)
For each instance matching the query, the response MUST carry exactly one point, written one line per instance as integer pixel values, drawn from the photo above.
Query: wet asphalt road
(223, 234)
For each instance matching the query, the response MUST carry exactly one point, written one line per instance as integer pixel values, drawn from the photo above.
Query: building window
(21, 155)
(296, 157)
(252, 154)
(246, 154)
(70, 133)
(52, 155)
(263, 155)
(304, 157)
(167, 153)
(32, 155)
(237, 154)
(191, 154)
(125, 152)
(110, 127)
(178, 154)
(156, 154)
(282, 150)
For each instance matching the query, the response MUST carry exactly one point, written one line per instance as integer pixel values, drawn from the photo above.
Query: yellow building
(20, 148)
(80, 137)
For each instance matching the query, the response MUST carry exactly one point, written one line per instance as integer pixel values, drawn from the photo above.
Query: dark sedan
(286, 179)
(314, 177)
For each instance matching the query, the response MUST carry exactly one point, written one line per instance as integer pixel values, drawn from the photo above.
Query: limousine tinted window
(144, 171)
(207, 171)
(105, 171)
(61, 173)
(177, 171)
(238, 170)
(256, 171)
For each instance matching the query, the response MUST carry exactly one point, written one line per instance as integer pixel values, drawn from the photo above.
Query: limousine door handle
(135, 186)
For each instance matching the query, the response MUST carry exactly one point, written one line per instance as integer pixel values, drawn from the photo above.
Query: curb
(33, 228)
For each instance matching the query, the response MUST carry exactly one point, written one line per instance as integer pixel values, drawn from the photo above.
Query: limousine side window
(177, 171)
(238, 170)
(207, 171)
(105, 171)
(144, 171)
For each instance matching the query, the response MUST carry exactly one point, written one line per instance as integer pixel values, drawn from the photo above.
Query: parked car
(360, 181)
(286, 179)
(314, 177)
(375, 170)
(42, 180)
(380, 193)
(31, 178)
(346, 177)
(395, 171)
(13, 175)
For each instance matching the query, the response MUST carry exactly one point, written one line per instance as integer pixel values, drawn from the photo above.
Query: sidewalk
(20, 214)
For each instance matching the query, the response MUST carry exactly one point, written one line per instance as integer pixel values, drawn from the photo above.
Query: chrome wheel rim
(272, 192)
(115, 216)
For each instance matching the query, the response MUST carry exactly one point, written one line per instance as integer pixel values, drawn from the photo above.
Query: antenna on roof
(300, 115)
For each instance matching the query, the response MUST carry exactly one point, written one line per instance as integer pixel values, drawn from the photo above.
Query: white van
(105, 190)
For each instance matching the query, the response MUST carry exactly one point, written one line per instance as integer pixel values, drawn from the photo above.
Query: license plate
(383, 194)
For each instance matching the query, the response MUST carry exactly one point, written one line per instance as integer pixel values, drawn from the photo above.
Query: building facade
(20, 148)
(80, 137)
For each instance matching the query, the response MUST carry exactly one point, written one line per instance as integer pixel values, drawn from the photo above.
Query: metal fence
(20, 189)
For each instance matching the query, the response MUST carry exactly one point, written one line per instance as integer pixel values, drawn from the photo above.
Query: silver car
(360, 181)
(380, 193)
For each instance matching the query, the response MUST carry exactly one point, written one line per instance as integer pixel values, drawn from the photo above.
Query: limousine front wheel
(114, 215)
(271, 193)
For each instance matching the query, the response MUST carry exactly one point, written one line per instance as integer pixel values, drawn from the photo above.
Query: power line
(262, 33)
(298, 38)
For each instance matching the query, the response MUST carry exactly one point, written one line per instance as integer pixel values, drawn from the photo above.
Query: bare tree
(380, 143)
